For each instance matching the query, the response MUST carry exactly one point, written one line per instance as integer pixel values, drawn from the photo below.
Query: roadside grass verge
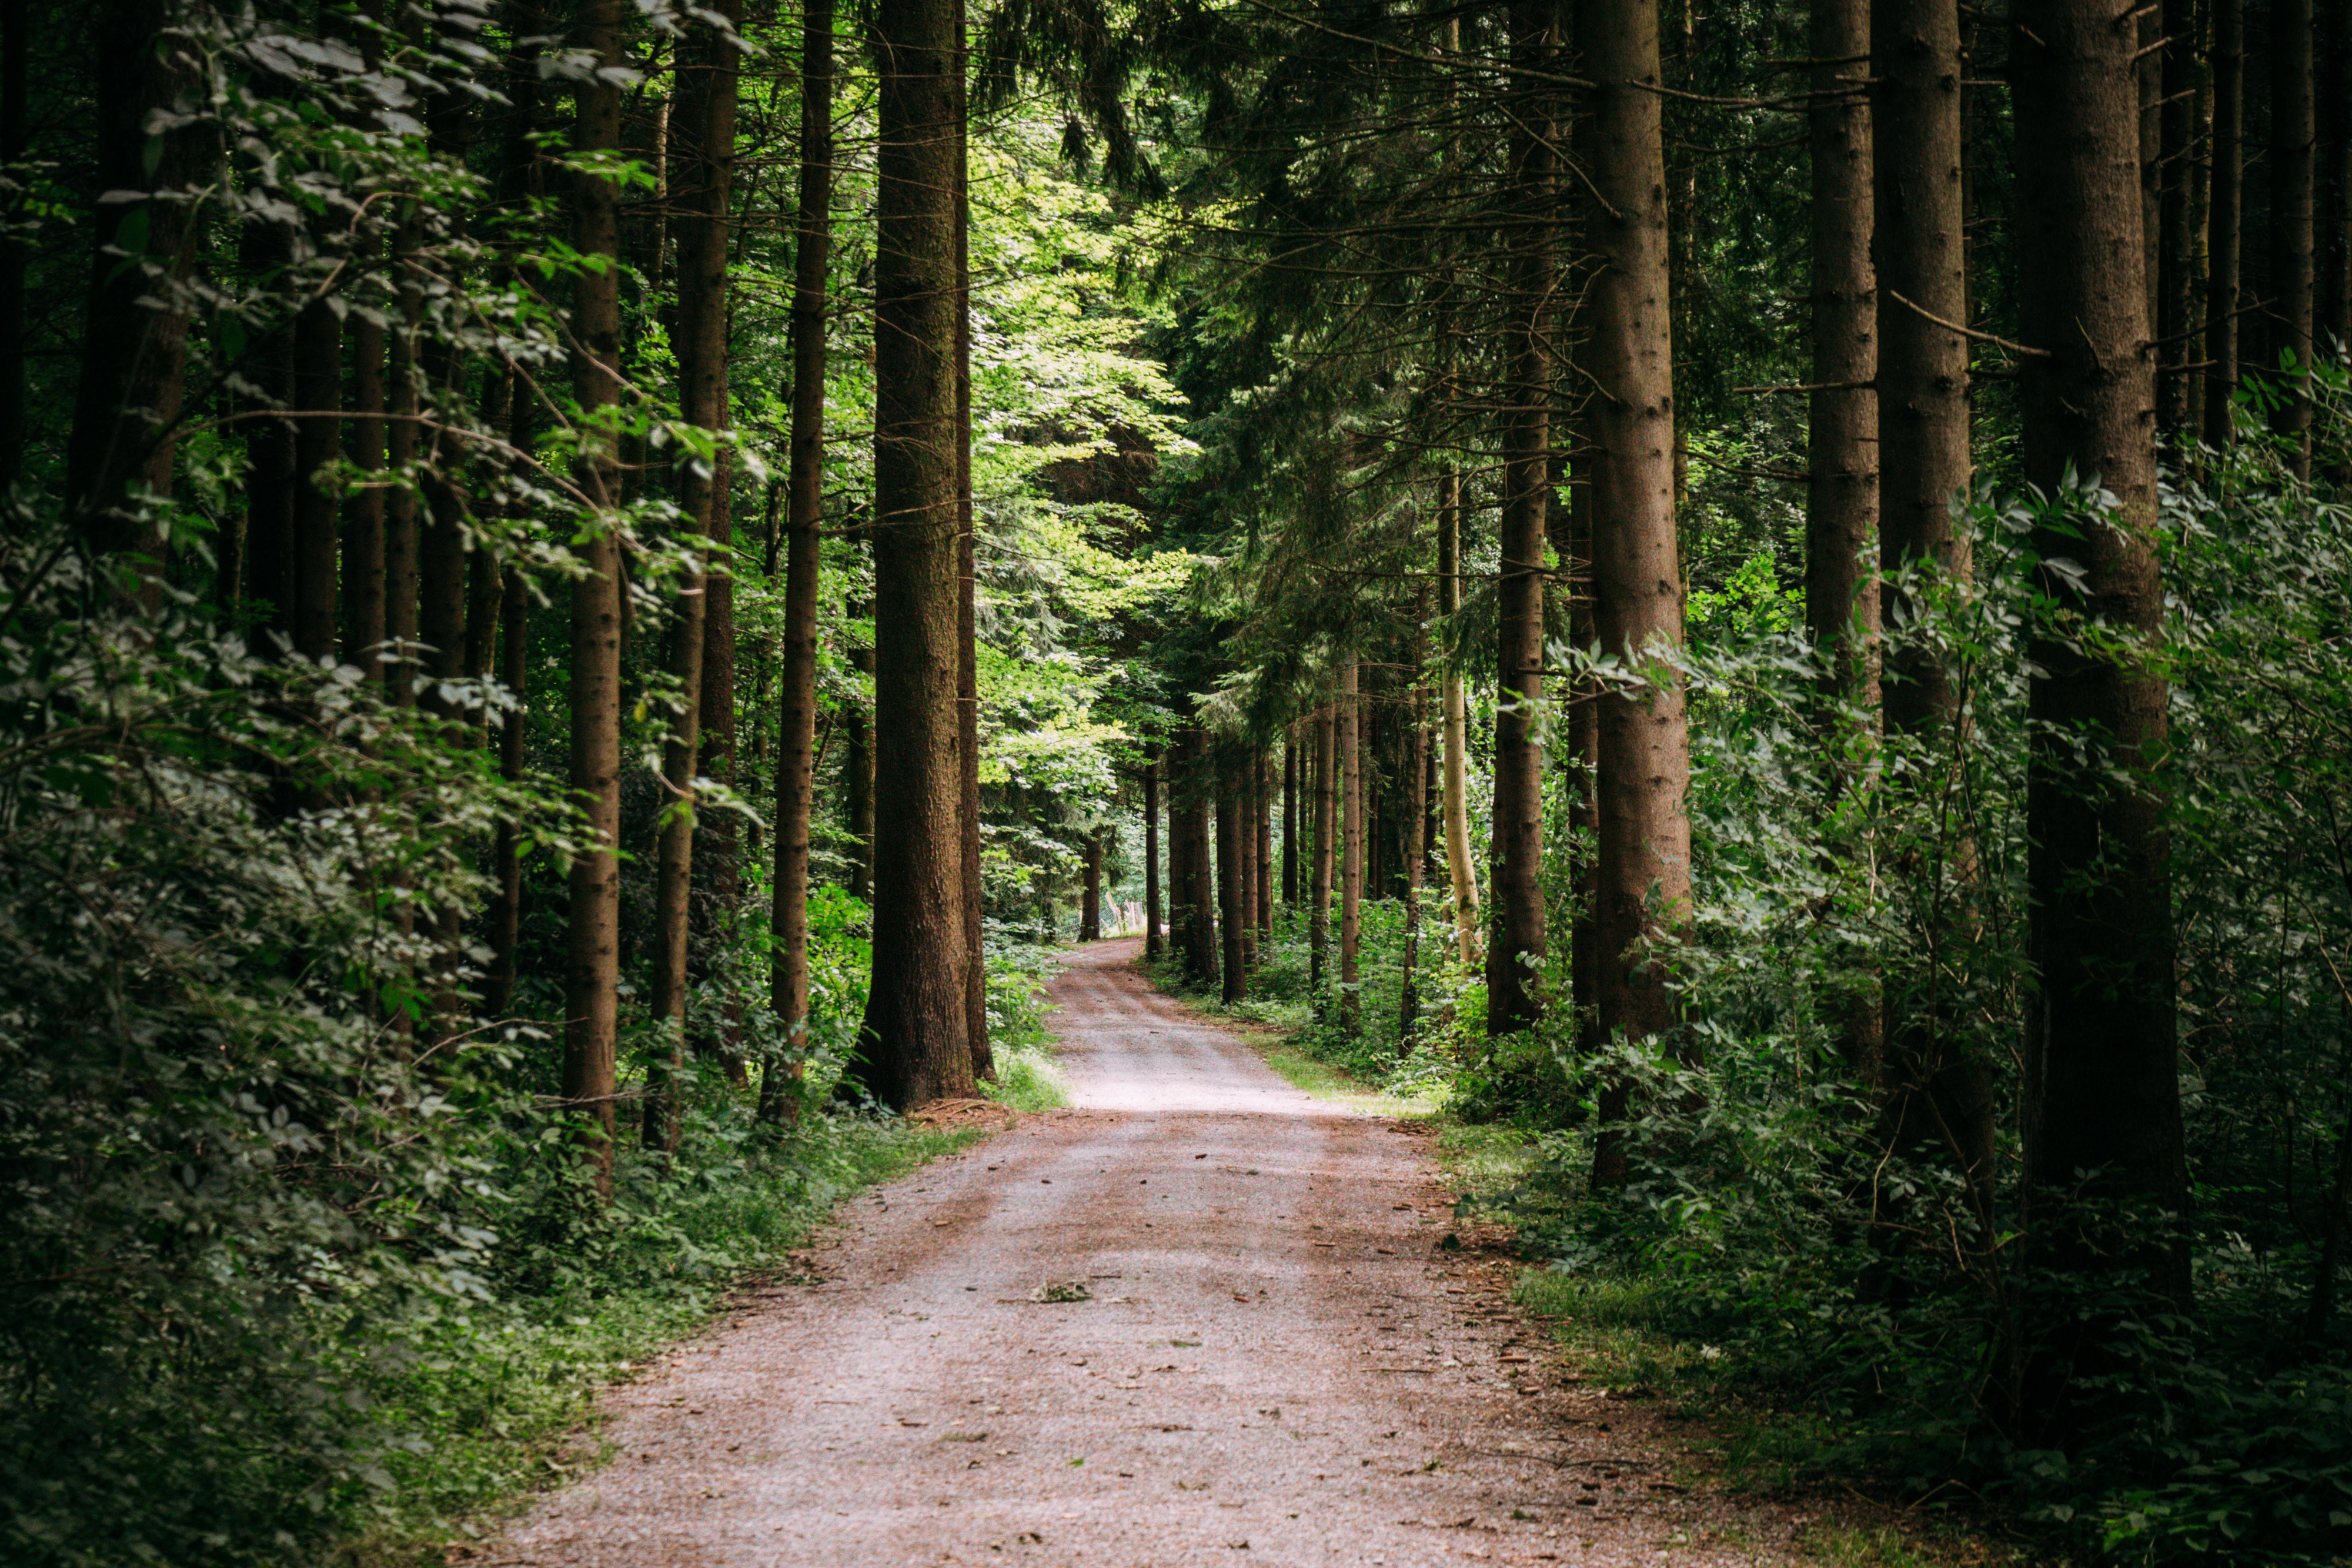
(495, 1402)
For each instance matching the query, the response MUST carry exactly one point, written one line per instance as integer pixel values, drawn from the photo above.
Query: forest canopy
(1754, 593)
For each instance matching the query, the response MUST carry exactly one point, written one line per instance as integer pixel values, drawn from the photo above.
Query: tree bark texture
(1290, 818)
(593, 973)
(1231, 882)
(1841, 488)
(1516, 848)
(984, 1058)
(1415, 814)
(1350, 750)
(788, 981)
(2225, 205)
(1324, 722)
(1923, 368)
(2293, 134)
(2102, 1089)
(917, 1035)
(1090, 898)
(2174, 255)
(1153, 944)
(133, 356)
(1644, 751)
(1459, 870)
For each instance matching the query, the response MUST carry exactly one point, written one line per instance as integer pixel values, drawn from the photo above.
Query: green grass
(1327, 1081)
(498, 1402)
(1028, 1078)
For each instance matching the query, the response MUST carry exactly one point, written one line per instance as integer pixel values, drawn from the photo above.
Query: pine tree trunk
(917, 1036)
(1263, 804)
(318, 391)
(2292, 136)
(15, 43)
(2331, 306)
(804, 560)
(2175, 255)
(1290, 818)
(1318, 903)
(1231, 882)
(400, 566)
(1153, 945)
(1923, 368)
(1644, 890)
(1842, 492)
(2102, 1085)
(1201, 945)
(1416, 811)
(1459, 870)
(133, 360)
(364, 564)
(592, 975)
(857, 767)
(505, 905)
(1350, 762)
(984, 1059)
(1090, 905)
(1516, 849)
(703, 130)
(2225, 204)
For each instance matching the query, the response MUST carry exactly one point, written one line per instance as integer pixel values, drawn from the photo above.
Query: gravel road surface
(1276, 1365)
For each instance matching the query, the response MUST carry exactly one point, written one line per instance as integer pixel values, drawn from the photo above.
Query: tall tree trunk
(2331, 306)
(984, 1059)
(1318, 903)
(1231, 882)
(2224, 217)
(363, 563)
(917, 1036)
(1842, 491)
(2292, 136)
(1262, 799)
(1415, 813)
(1152, 944)
(1583, 760)
(1936, 1090)
(15, 43)
(1201, 945)
(1459, 871)
(857, 769)
(267, 367)
(1643, 891)
(1923, 367)
(1290, 817)
(1090, 899)
(506, 855)
(2101, 1085)
(2175, 252)
(592, 975)
(705, 128)
(804, 560)
(133, 358)
(1351, 761)
(318, 391)
(401, 544)
(1517, 847)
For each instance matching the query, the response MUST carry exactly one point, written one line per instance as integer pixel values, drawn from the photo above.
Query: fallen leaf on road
(1062, 1290)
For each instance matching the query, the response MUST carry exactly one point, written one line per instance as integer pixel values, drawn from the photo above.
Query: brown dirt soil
(1276, 1365)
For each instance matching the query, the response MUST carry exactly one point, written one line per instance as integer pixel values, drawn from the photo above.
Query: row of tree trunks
(1090, 897)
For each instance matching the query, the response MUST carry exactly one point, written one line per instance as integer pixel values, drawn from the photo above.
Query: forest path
(1279, 1367)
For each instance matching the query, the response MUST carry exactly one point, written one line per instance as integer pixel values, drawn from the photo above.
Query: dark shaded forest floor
(1275, 1358)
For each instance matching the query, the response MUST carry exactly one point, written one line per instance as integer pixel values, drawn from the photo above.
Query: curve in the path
(1277, 1364)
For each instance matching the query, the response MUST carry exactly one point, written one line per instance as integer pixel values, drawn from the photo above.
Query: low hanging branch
(2021, 349)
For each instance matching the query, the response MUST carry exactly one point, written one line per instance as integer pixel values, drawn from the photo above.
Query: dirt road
(1278, 1366)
